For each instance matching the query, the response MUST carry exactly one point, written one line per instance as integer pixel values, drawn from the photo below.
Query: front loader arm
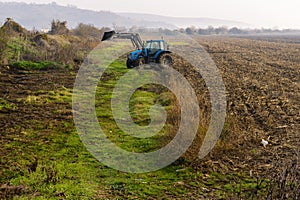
(134, 37)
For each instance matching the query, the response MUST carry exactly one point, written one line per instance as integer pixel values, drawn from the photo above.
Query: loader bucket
(108, 35)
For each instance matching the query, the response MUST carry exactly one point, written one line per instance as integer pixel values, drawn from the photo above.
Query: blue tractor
(152, 51)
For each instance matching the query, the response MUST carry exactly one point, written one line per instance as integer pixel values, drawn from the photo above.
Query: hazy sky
(262, 13)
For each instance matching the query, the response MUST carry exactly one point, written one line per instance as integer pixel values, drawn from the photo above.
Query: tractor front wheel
(129, 63)
(165, 59)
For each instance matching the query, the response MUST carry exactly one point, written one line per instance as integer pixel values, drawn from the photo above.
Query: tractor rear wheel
(165, 59)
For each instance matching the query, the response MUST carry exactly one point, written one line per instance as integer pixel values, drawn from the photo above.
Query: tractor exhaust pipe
(108, 35)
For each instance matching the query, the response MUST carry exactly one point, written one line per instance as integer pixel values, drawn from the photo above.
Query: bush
(86, 30)
(59, 28)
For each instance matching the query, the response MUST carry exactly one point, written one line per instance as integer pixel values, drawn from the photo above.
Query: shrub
(86, 30)
(59, 28)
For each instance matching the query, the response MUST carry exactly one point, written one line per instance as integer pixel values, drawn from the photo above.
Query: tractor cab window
(153, 45)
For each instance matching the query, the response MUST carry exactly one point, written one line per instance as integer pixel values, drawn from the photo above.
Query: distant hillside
(41, 15)
(186, 22)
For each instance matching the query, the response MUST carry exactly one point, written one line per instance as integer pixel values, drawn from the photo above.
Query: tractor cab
(153, 46)
(153, 49)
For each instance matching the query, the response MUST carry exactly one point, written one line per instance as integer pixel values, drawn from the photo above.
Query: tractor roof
(155, 41)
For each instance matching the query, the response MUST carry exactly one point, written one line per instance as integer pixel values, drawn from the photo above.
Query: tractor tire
(130, 64)
(165, 59)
